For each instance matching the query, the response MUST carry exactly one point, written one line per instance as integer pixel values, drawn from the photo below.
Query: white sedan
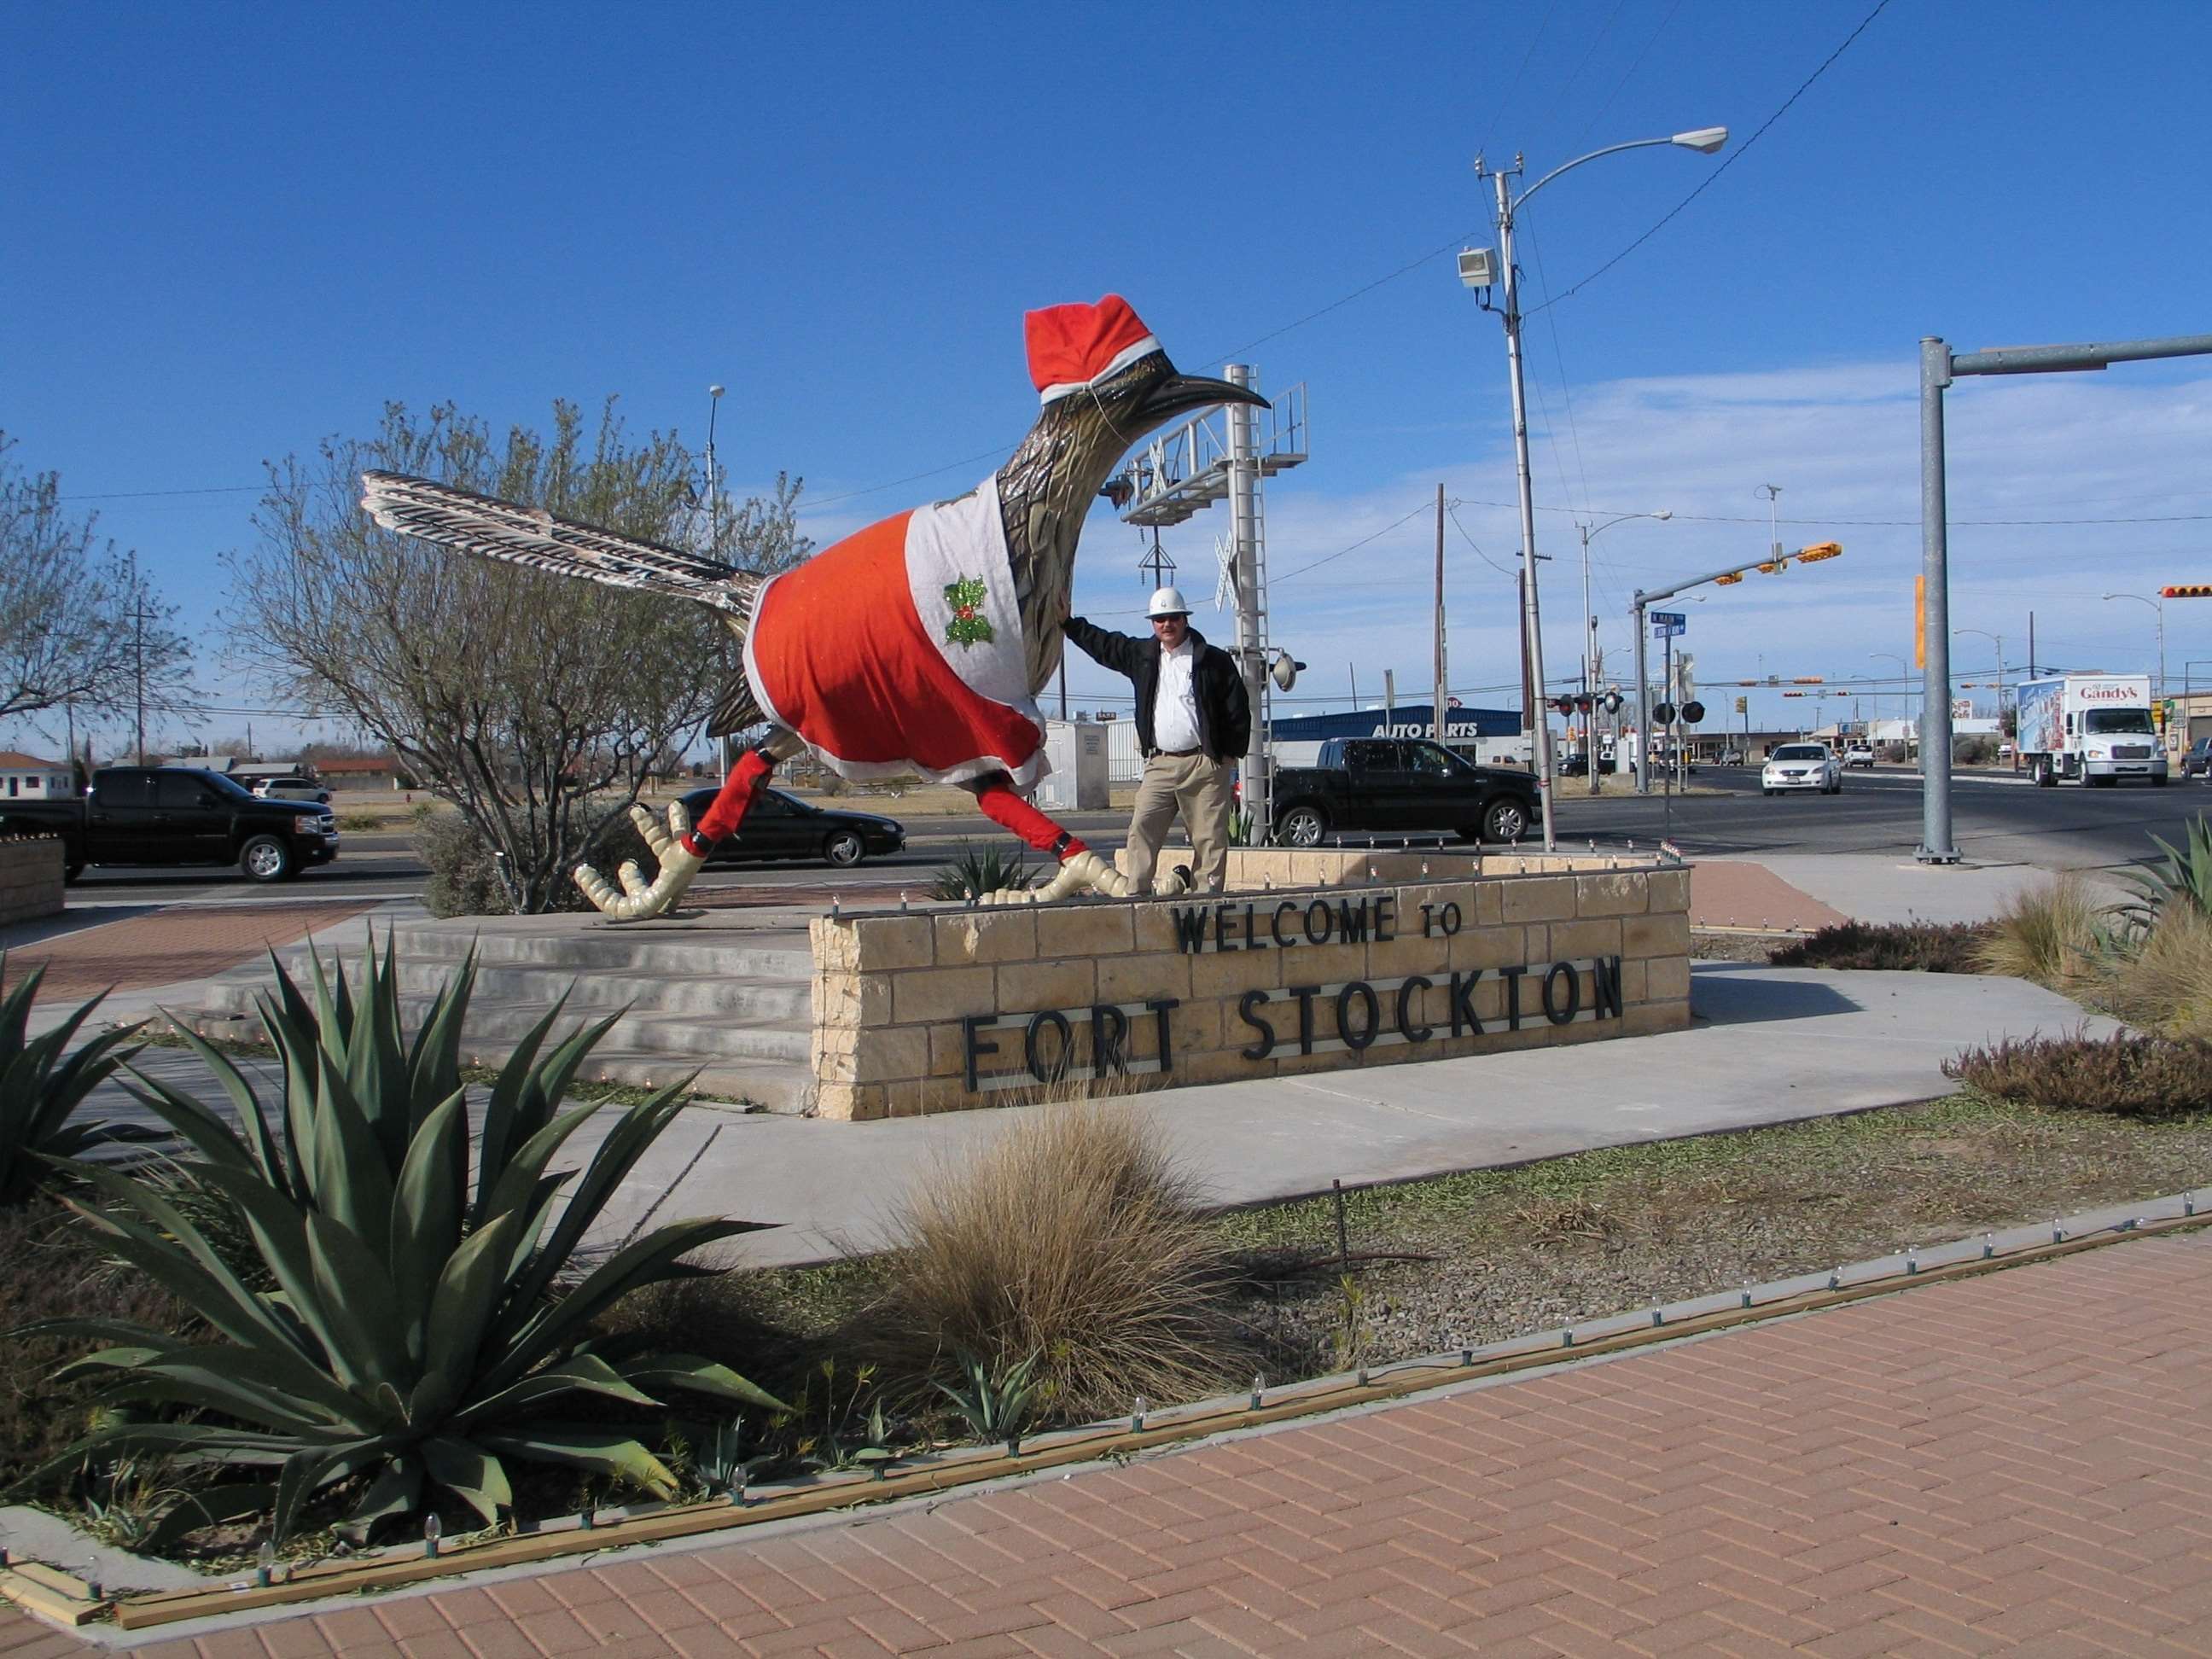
(1801, 766)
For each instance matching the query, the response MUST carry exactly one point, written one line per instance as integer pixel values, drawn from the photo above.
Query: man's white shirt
(1175, 708)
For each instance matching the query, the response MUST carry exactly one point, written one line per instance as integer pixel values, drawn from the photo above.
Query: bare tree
(78, 623)
(530, 703)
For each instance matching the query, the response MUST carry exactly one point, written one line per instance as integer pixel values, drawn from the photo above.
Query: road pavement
(1998, 819)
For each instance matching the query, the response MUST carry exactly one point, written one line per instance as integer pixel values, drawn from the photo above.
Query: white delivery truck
(2089, 729)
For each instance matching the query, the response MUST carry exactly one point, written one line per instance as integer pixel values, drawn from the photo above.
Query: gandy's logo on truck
(2089, 729)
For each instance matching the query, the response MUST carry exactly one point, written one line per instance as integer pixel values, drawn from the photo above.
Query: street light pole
(1996, 640)
(1903, 670)
(1589, 641)
(1705, 141)
(2158, 605)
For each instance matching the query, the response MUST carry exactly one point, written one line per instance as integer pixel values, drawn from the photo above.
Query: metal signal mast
(1223, 455)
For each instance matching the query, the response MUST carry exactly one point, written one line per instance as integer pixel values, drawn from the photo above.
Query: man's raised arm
(1118, 652)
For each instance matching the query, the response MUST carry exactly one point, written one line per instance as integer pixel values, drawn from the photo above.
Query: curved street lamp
(1904, 671)
(1589, 637)
(1996, 640)
(1705, 141)
(2159, 605)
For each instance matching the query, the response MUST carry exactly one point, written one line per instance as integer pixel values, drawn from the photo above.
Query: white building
(25, 775)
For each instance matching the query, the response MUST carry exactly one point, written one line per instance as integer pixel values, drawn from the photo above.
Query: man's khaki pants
(1199, 789)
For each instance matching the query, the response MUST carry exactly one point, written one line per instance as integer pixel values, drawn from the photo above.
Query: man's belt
(1179, 754)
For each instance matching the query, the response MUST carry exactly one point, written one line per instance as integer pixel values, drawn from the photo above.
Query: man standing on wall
(1194, 721)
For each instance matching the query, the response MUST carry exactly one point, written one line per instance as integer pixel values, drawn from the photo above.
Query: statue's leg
(1078, 865)
(682, 849)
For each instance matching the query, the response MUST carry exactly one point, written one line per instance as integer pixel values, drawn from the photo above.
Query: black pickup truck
(1399, 786)
(178, 815)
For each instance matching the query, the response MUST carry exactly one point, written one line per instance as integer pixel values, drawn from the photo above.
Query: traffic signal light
(1730, 580)
(1808, 679)
(1819, 551)
(2187, 591)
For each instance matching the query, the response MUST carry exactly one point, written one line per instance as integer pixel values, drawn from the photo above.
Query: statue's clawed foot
(639, 898)
(1078, 872)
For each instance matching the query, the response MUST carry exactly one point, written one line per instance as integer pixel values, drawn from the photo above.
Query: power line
(1714, 177)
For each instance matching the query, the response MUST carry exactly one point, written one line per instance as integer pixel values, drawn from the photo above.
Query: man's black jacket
(1225, 713)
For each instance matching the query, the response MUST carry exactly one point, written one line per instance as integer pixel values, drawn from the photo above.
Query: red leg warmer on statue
(730, 807)
(1002, 805)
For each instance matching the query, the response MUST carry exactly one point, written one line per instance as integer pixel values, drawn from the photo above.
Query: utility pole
(1244, 460)
(713, 494)
(138, 650)
(1437, 706)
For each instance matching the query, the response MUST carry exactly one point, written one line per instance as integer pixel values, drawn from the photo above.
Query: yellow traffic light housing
(1821, 550)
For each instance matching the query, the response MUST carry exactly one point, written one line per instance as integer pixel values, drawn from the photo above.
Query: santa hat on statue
(1076, 348)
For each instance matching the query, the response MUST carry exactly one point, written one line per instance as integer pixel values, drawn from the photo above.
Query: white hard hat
(1167, 601)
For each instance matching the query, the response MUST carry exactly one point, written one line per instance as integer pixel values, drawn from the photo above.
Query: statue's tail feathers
(494, 529)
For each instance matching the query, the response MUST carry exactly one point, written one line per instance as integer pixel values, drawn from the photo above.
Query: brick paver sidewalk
(1737, 893)
(2014, 1461)
(194, 941)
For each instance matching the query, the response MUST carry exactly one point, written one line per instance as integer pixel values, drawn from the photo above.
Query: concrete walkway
(2014, 1463)
(1768, 1045)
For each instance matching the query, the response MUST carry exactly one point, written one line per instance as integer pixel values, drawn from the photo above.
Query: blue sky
(231, 230)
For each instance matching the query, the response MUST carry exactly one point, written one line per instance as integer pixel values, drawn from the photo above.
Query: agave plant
(417, 1333)
(979, 870)
(2186, 878)
(40, 1091)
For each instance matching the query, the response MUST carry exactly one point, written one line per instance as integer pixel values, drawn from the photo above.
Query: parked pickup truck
(178, 815)
(1400, 786)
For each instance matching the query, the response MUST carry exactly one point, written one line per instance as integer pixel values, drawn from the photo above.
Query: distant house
(23, 775)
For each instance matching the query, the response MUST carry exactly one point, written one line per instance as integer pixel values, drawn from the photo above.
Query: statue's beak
(1186, 394)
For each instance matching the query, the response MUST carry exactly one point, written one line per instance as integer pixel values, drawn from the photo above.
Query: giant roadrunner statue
(918, 645)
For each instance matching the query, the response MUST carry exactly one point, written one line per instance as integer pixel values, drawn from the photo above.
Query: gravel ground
(1578, 1238)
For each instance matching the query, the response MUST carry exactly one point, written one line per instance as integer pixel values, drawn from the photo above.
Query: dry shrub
(1558, 1221)
(2164, 983)
(2126, 1074)
(1925, 946)
(2054, 935)
(1074, 1236)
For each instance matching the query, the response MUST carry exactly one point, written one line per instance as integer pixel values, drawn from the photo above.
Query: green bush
(361, 823)
(465, 871)
(40, 1090)
(2126, 1074)
(1927, 946)
(420, 1332)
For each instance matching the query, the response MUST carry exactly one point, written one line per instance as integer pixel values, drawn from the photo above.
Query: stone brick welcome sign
(1313, 961)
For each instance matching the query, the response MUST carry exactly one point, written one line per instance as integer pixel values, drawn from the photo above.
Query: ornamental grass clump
(421, 1329)
(2055, 935)
(40, 1090)
(1074, 1238)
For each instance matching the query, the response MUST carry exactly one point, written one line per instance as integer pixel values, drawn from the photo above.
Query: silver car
(1798, 766)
